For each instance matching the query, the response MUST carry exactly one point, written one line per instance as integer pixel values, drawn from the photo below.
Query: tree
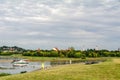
(77, 55)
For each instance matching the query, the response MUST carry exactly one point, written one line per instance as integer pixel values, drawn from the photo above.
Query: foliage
(6, 53)
(54, 54)
(69, 53)
(77, 55)
(4, 74)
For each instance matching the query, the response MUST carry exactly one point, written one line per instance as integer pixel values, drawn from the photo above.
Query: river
(7, 67)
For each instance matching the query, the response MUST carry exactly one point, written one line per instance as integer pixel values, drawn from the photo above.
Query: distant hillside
(13, 48)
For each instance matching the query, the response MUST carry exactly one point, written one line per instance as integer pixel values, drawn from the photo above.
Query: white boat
(19, 63)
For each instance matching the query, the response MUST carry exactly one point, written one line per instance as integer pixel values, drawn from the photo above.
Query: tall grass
(109, 70)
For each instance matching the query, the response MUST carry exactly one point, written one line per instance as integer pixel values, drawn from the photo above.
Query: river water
(7, 67)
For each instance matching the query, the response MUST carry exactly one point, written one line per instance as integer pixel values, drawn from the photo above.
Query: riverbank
(31, 58)
(5, 60)
(108, 70)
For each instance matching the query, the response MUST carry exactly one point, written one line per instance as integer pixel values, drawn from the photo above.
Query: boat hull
(20, 63)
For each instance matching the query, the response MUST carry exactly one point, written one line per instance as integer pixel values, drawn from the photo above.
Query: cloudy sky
(46, 24)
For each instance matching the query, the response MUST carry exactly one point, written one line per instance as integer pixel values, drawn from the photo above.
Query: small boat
(19, 62)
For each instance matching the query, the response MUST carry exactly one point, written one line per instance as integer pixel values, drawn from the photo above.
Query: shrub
(77, 55)
(83, 56)
(6, 53)
(54, 54)
(4, 74)
(28, 53)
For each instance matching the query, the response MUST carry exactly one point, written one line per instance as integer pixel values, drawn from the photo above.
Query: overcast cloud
(46, 24)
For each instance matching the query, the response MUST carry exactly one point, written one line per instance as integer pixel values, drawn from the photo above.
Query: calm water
(9, 68)
(32, 66)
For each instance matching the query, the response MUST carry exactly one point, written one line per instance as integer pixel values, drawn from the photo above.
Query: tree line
(69, 53)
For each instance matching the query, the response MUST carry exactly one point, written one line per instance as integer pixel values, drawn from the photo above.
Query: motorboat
(19, 62)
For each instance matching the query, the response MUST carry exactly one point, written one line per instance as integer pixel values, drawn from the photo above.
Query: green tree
(77, 55)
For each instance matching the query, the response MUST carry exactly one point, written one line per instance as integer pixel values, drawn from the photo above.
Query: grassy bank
(109, 70)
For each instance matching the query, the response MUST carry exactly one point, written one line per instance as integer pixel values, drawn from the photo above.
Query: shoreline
(1, 60)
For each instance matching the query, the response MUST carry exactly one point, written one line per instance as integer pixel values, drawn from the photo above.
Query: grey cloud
(49, 23)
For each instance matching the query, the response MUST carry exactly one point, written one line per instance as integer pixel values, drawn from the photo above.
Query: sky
(45, 24)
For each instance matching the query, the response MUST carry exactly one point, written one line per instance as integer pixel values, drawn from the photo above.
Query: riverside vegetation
(68, 53)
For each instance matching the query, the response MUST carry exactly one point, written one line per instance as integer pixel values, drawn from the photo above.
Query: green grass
(109, 70)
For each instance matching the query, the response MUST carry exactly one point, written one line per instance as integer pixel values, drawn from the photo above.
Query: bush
(6, 53)
(83, 56)
(54, 54)
(4, 74)
(28, 53)
(77, 55)
(71, 54)
(62, 55)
